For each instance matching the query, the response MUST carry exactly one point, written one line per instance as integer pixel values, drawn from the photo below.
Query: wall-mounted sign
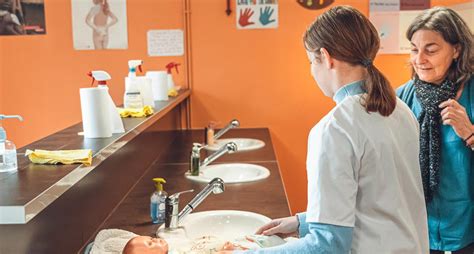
(22, 17)
(315, 4)
(99, 24)
(257, 14)
(165, 42)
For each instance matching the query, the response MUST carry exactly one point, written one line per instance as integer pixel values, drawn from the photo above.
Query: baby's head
(146, 245)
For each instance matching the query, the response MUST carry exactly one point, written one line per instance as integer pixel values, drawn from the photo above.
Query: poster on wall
(99, 24)
(257, 14)
(22, 17)
(392, 18)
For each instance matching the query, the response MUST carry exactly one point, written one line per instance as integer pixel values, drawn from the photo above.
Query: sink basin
(211, 229)
(231, 173)
(243, 144)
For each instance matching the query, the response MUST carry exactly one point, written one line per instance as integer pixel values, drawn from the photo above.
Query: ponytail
(380, 95)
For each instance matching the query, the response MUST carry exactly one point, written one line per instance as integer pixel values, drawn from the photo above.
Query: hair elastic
(366, 62)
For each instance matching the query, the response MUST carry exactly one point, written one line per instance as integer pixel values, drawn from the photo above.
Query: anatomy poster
(257, 14)
(99, 24)
(392, 18)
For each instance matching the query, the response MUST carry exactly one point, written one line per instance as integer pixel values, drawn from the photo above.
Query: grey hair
(454, 31)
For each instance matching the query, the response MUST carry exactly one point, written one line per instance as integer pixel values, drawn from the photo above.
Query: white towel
(111, 241)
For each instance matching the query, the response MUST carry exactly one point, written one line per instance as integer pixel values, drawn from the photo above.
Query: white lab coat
(363, 172)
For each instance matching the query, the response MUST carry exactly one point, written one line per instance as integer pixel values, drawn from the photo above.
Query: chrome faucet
(232, 124)
(173, 218)
(195, 163)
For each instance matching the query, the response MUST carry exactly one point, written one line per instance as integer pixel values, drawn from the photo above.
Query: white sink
(231, 173)
(211, 229)
(243, 144)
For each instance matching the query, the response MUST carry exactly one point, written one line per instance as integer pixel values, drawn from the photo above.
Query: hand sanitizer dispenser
(8, 159)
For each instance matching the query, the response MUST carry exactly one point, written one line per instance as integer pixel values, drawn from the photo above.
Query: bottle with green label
(157, 202)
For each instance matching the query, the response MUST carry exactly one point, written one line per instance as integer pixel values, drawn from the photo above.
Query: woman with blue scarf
(441, 95)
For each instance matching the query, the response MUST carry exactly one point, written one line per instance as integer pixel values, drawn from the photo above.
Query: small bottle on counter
(157, 202)
(8, 157)
(209, 134)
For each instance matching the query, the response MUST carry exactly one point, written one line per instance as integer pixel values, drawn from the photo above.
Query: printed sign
(165, 42)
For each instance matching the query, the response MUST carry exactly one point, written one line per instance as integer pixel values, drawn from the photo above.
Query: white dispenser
(115, 119)
(159, 85)
(8, 159)
(132, 97)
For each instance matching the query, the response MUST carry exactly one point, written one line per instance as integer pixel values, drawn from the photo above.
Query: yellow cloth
(145, 111)
(38, 156)
(172, 92)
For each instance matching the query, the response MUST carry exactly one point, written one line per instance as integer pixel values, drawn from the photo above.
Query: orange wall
(260, 77)
(43, 73)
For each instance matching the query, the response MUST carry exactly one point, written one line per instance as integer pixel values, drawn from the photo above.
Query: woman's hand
(455, 115)
(282, 227)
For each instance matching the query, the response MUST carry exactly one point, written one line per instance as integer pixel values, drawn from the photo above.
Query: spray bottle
(102, 77)
(133, 97)
(157, 202)
(169, 68)
(8, 159)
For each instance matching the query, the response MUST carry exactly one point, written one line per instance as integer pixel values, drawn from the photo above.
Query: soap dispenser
(157, 202)
(8, 159)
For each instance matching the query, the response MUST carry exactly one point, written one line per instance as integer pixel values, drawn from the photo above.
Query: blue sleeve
(303, 228)
(321, 239)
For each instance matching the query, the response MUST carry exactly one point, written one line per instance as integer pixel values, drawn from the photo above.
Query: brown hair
(455, 32)
(350, 37)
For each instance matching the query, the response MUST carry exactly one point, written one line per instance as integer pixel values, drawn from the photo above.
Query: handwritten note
(165, 42)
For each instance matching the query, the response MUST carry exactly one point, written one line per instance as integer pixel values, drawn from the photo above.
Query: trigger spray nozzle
(134, 64)
(172, 65)
(100, 76)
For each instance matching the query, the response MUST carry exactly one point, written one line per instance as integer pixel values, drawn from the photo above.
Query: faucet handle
(235, 123)
(175, 197)
(231, 147)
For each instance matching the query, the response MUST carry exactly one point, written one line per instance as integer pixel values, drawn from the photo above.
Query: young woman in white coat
(365, 192)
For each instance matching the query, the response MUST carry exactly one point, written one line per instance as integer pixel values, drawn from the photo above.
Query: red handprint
(245, 17)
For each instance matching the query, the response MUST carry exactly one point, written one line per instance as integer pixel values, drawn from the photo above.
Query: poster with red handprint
(257, 14)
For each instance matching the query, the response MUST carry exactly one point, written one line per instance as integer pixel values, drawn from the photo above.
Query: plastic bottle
(209, 134)
(8, 159)
(132, 97)
(157, 202)
(169, 68)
